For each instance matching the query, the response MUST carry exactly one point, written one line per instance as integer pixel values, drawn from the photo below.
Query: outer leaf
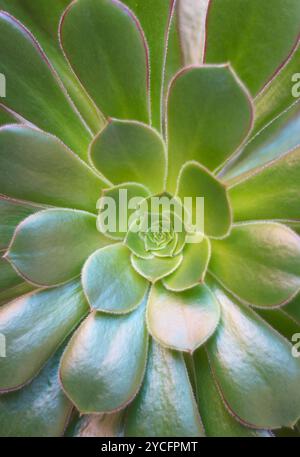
(182, 321)
(11, 284)
(104, 363)
(130, 151)
(209, 115)
(165, 406)
(217, 420)
(157, 267)
(105, 45)
(35, 16)
(34, 326)
(8, 276)
(109, 281)
(156, 18)
(249, 34)
(40, 409)
(51, 246)
(5, 116)
(271, 192)
(192, 269)
(259, 262)
(10, 294)
(12, 213)
(32, 78)
(254, 368)
(45, 170)
(277, 96)
(276, 139)
(196, 181)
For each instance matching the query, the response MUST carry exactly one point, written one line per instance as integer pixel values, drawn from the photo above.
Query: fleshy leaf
(50, 247)
(12, 213)
(249, 34)
(196, 181)
(192, 269)
(182, 321)
(271, 192)
(35, 16)
(217, 420)
(125, 208)
(157, 267)
(209, 115)
(155, 17)
(110, 282)
(34, 326)
(37, 167)
(40, 409)
(275, 140)
(258, 262)
(8, 276)
(34, 90)
(11, 284)
(130, 151)
(254, 368)
(103, 366)
(268, 106)
(165, 405)
(106, 47)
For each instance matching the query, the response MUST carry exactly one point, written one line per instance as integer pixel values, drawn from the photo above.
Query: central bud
(159, 235)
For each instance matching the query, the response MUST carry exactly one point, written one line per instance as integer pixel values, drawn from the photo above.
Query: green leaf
(40, 409)
(196, 181)
(246, 37)
(259, 262)
(267, 105)
(11, 284)
(124, 208)
(35, 16)
(209, 115)
(109, 281)
(271, 192)
(276, 139)
(106, 47)
(51, 246)
(182, 321)
(12, 213)
(44, 170)
(218, 421)
(103, 366)
(293, 309)
(15, 292)
(34, 326)
(155, 268)
(165, 405)
(8, 276)
(254, 368)
(130, 151)
(192, 269)
(6, 117)
(155, 17)
(34, 90)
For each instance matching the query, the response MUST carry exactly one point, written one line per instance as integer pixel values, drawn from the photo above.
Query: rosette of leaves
(142, 333)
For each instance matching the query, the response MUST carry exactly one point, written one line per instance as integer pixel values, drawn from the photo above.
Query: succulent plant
(148, 330)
